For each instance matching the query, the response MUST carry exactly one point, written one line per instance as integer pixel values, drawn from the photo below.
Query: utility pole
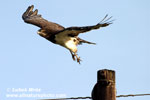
(105, 88)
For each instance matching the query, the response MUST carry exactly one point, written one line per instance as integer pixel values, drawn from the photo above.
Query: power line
(119, 96)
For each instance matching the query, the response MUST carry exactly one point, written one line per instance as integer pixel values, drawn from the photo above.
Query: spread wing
(32, 17)
(75, 31)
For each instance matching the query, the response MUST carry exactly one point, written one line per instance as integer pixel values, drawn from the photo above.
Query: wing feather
(75, 31)
(32, 17)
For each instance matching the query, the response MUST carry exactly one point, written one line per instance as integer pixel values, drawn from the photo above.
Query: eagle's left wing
(75, 31)
(32, 17)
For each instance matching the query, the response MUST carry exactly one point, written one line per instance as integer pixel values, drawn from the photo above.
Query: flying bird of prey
(66, 37)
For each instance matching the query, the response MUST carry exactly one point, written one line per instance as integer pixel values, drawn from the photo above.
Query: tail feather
(84, 41)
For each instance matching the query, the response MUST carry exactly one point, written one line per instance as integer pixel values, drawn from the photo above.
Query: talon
(78, 60)
(73, 57)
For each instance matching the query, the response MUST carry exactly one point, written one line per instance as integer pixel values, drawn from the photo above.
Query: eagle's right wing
(75, 31)
(32, 17)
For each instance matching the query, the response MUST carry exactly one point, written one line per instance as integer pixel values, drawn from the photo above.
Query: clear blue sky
(29, 61)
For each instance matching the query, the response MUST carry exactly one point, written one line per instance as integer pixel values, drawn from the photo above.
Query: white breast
(67, 42)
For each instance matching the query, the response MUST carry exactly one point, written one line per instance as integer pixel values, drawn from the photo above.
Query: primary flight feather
(66, 37)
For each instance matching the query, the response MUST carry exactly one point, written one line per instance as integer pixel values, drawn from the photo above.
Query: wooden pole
(104, 89)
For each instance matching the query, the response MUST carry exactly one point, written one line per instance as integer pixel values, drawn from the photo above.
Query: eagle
(57, 34)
